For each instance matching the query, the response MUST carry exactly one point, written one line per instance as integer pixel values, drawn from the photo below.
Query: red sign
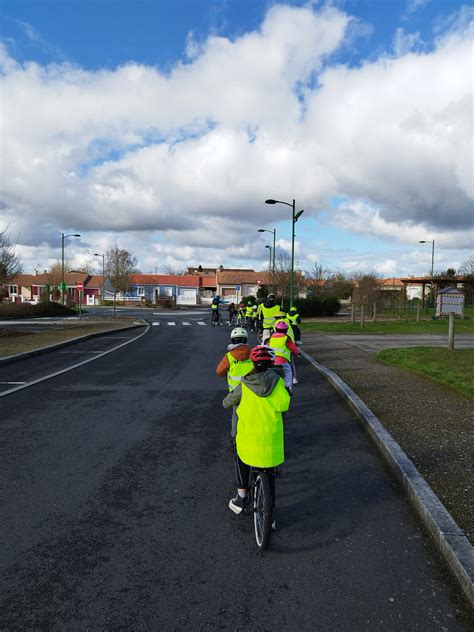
(80, 285)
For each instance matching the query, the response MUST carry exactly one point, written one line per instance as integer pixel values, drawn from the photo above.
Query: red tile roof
(185, 280)
(237, 277)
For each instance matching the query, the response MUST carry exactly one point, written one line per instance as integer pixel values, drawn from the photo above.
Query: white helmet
(238, 332)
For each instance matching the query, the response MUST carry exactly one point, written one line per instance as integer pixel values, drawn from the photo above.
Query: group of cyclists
(260, 382)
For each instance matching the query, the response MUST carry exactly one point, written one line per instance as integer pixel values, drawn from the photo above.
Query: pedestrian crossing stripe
(172, 323)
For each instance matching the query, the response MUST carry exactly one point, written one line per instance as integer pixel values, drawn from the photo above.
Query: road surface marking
(186, 323)
(171, 322)
(155, 324)
(200, 322)
(72, 367)
(12, 382)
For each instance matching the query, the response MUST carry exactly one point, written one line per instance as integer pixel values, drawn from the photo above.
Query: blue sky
(361, 212)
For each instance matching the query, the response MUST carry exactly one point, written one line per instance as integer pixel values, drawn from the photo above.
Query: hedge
(316, 306)
(41, 310)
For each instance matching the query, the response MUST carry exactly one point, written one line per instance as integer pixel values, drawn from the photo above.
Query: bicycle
(261, 504)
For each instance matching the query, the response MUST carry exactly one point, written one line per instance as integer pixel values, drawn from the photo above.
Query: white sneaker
(295, 381)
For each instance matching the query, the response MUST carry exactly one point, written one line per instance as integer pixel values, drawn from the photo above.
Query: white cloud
(194, 152)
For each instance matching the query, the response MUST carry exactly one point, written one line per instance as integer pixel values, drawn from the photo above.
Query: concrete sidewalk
(377, 342)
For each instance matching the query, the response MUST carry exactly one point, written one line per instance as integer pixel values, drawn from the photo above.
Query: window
(168, 291)
(13, 289)
(140, 291)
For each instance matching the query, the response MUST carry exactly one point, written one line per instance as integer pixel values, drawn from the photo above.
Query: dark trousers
(242, 476)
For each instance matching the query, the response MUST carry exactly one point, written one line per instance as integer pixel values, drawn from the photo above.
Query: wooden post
(417, 311)
(375, 313)
(361, 316)
(451, 332)
(353, 313)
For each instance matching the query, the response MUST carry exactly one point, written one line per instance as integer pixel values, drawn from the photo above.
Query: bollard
(353, 314)
(375, 312)
(417, 312)
(451, 332)
(361, 316)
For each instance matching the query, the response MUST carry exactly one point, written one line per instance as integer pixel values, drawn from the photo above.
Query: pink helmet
(281, 326)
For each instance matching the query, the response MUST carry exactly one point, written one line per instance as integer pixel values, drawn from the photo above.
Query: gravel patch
(433, 424)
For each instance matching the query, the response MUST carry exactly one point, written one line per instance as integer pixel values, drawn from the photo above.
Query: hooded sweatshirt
(239, 351)
(261, 398)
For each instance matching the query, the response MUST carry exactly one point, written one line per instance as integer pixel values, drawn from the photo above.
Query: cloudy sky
(164, 126)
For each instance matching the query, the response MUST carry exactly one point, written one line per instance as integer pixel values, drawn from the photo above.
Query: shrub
(41, 310)
(316, 306)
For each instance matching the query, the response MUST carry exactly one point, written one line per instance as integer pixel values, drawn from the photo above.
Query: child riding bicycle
(261, 398)
(234, 365)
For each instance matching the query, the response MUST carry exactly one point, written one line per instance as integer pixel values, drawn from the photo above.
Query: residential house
(232, 284)
(32, 288)
(181, 289)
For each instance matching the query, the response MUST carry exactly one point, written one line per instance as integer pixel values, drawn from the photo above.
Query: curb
(65, 343)
(453, 545)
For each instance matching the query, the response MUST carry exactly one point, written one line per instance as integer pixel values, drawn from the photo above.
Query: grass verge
(439, 327)
(37, 340)
(451, 368)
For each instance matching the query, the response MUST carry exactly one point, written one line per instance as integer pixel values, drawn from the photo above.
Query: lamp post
(103, 274)
(270, 261)
(63, 237)
(427, 241)
(295, 216)
(266, 230)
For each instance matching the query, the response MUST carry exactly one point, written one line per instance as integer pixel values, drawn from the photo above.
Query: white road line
(155, 324)
(12, 382)
(72, 367)
(201, 323)
(171, 322)
(186, 323)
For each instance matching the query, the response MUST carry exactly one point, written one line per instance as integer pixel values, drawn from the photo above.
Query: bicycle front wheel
(262, 510)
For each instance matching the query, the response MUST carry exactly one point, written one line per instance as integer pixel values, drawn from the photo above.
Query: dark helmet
(271, 296)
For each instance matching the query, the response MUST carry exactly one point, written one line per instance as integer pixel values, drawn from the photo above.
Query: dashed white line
(186, 323)
(155, 324)
(171, 322)
(12, 382)
(200, 322)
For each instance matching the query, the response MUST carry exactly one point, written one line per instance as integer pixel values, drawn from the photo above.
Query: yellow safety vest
(214, 306)
(237, 369)
(281, 350)
(293, 318)
(269, 314)
(291, 333)
(249, 311)
(259, 437)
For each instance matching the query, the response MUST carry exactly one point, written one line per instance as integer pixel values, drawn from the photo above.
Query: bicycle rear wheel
(262, 510)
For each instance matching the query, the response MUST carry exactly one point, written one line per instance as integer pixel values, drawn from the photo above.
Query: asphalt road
(115, 479)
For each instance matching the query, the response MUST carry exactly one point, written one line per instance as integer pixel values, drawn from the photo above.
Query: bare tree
(10, 263)
(169, 269)
(366, 290)
(281, 276)
(339, 285)
(119, 265)
(316, 278)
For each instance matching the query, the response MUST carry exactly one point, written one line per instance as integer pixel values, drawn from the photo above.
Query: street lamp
(63, 237)
(103, 274)
(270, 261)
(295, 216)
(427, 241)
(266, 230)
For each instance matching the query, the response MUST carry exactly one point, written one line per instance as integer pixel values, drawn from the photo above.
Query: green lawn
(389, 327)
(451, 368)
